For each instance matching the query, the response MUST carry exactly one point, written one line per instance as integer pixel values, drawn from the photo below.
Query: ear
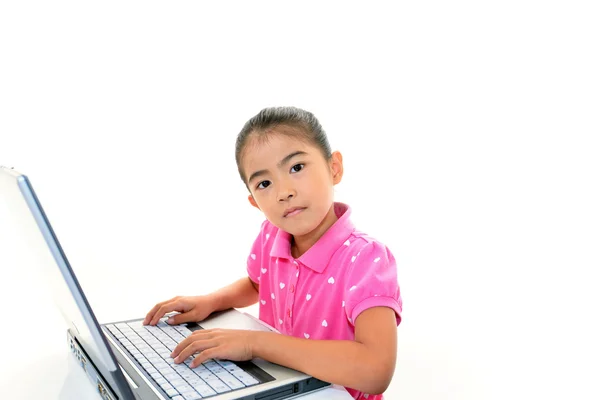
(337, 167)
(252, 201)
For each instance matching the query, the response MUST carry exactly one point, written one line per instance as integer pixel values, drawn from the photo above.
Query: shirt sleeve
(256, 255)
(373, 282)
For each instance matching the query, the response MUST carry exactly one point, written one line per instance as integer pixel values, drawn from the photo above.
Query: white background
(470, 137)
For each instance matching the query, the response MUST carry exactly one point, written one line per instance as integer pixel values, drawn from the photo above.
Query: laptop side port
(103, 393)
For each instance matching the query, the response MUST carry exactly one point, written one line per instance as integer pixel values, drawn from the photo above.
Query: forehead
(264, 150)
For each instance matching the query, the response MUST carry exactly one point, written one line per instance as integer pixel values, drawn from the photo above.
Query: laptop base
(89, 368)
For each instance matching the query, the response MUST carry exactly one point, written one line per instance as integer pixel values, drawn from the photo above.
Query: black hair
(271, 117)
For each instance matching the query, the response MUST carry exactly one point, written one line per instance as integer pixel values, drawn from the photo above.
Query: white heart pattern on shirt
(267, 235)
(253, 256)
(347, 243)
(343, 303)
(353, 258)
(306, 335)
(281, 285)
(308, 296)
(297, 273)
(324, 323)
(273, 296)
(366, 396)
(352, 288)
(280, 321)
(377, 259)
(331, 280)
(263, 302)
(263, 270)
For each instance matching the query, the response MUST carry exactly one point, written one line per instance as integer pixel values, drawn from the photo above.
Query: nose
(286, 193)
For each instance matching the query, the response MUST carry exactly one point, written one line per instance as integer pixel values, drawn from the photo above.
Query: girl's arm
(241, 293)
(366, 364)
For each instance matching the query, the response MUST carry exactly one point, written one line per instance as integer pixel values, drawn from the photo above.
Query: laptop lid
(28, 220)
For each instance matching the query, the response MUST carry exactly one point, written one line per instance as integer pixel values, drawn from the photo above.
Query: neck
(301, 243)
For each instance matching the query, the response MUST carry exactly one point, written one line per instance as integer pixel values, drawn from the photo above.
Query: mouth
(290, 212)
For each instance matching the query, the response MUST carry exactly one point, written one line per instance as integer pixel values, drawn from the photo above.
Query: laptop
(125, 359)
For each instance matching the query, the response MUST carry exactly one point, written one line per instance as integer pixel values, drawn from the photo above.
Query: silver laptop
(125, 359)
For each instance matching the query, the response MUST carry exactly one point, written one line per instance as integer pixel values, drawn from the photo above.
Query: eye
(297, 168)
(263, 185)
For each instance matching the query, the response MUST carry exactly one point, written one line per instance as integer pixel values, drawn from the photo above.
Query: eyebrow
(279, 164)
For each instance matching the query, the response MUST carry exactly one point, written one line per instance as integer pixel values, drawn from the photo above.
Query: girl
(330, 289)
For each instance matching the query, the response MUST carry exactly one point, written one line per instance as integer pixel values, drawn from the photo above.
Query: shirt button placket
(291, 294)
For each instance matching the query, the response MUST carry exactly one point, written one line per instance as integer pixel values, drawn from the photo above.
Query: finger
(182, 345)
(150, 314)
(174, 305)
(205, 355)
(188, 341)
(180, 318)
(197, 346)
(204, 331)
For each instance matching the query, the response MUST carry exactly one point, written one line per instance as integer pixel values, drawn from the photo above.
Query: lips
(290, 212)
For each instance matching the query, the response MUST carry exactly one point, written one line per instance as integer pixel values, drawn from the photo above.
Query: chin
(298, 231)
(300, 228)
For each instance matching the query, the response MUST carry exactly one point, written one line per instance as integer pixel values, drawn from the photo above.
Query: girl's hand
(227, 344)
(192, 309)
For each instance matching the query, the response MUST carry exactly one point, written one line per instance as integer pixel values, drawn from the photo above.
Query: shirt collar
(320, 253)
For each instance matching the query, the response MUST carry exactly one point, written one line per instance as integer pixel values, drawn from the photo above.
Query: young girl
(330, 289)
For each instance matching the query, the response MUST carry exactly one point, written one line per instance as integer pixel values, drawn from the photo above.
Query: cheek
(318, 183)
(262, 200)
(323, 180)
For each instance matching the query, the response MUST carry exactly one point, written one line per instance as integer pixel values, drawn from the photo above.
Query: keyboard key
(205, 390)
(187, 375)
(194, 381)
(156, 375)
(183, 331)
(135, 324)
(245, 377)
(218, 386)
(171, 376)
(205, 374)
(186, 390)
(146, 365)
(161, 381)
(178, 383)
(230, 380)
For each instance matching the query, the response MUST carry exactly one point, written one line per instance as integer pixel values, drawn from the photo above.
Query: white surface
(469, 132)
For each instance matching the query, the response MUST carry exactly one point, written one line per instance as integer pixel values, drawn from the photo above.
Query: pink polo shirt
(320, 294)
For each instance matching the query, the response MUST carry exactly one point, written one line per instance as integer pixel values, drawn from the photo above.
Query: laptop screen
(36, 247)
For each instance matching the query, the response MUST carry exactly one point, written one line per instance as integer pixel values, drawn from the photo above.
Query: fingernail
(170, 320)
